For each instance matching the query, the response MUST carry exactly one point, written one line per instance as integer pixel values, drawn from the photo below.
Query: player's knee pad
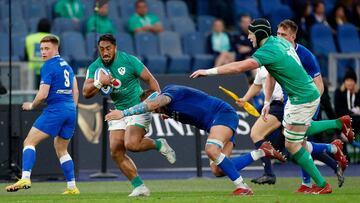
(292, 136)
(215, 142)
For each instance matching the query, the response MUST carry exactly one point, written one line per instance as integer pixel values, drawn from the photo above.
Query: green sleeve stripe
(294, 139)
(257, 60)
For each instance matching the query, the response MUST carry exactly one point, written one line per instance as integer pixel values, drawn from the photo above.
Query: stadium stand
(204, 23)
(146, 45)
(125, 43)
(348, 39)
(175, 8)
(157, 8)
(182, 25)
(170, 46)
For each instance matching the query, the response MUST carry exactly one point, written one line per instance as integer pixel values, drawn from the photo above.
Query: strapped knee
(215, 142)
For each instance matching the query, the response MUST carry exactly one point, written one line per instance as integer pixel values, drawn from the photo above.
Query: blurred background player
(218, 118)
(128, 133)
(142, 21)
(58, 88)
(277, 55)
(100, 22)
(72, 9)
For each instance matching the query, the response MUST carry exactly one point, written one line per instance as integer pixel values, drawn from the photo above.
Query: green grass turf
(192, 190)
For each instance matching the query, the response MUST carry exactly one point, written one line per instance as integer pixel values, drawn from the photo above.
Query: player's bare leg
(33, 138)
(67, 165)
(125, 163)
(136, 141)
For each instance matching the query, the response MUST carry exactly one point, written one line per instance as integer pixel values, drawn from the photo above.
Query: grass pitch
(192, 190)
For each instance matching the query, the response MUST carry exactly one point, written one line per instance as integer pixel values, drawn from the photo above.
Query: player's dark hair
(107, 37)
(50, 38)
(289, 24)
(145, 94)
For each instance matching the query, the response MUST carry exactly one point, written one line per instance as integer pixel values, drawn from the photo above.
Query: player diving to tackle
(59, 89)
(280, 59)
(218, 118)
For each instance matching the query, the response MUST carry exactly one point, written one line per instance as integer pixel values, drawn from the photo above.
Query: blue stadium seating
(16, 11)
(120, 24)
(246, 7)
(194, 45)
(4, 48)
(113, 10)
(91, 44)
(18, 45)
(34, 10)
(146, 45)
(61, 25)
(32, 24)
(18, 26)
(205, 23)
(175, 8)
(321, 39)
(182, 25)
(348, 38)
(73, 47)
(280, 13)
(157, 8)
(170, 46)
(127, 8)
(125, 43)
(165, 23)
(269, 6)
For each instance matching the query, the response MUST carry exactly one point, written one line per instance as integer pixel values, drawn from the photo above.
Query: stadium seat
(16, 11)
(170, 46)
(125, 43)
(18, 26)
(165, 23)
(279, 14)
(113, 10)
(32, 24)
(127, 8)
(73, 46)
(4, 48)
(120, 24)
(194, 45)
(61, 25)
(348, 38)
(18, 45)
(157, 8)
(322, 44)
(34, 10)
(91, 44)
(182, 25)
(175, 8)
(269, 6)
(246, 7)
(321, 39)
(205, 23)
(146, 45)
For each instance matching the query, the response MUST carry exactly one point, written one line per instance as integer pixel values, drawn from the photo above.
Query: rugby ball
(105, 89)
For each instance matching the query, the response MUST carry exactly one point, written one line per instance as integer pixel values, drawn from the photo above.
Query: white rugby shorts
(141, 120)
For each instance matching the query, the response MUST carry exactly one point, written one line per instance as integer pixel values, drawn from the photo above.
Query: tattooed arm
(146, 106)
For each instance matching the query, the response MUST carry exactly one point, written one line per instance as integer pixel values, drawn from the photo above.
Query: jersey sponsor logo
(64, 92)
(122, 70)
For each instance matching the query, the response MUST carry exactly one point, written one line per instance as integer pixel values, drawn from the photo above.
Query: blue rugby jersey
(194, 107)
(57, 73)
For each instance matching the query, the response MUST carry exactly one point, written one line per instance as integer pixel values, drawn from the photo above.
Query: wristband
(97, 84)
(31, 106)
(212, 71)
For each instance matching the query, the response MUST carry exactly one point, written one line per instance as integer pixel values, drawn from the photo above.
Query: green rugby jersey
(282, 62)
(126, 69)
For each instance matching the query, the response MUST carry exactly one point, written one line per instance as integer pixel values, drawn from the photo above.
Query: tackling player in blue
(59, 89)
(218, 118)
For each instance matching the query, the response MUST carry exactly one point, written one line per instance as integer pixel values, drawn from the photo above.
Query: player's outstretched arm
(230, 68)
(75, 91)
(143, 107)
(39, 98)
(148, 78)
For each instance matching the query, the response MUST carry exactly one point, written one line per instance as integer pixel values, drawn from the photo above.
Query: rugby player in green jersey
(127, 134)
(280, 59)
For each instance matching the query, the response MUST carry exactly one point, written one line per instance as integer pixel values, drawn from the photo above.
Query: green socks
(321, 126)
(136, 182)
(158, 144)
(304, 160)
